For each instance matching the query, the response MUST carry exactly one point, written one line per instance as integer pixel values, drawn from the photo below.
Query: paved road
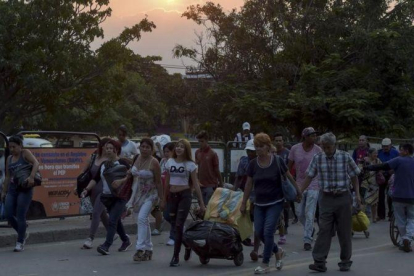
(375, 256)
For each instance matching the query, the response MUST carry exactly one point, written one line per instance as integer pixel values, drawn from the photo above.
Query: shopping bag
(360, 222)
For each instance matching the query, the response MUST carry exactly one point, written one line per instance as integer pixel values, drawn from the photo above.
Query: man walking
(336, 169)
(208, 167)
(403, 194)
(301, 155)
(284, 154)
(385, 154)
(129, 148)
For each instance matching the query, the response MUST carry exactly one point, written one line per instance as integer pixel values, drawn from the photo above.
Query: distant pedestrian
(181, 180)
(129, 148)
(362, 151)
(207, 161)
(244, 136)
(402, 193)
(301, 156)
(17, 200)
(370, 186)
(99, 211)
(168, 150)
(147, 192)
(284, 154)
(114, 205)
(336, 170)
(265, 173)
(385, 154)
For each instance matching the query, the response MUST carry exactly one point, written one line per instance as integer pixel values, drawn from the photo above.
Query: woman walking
(18, 200)
(181, 180)
(147, 191)
(265, 172)
(114, 205)
(370, 184)
(99, 211)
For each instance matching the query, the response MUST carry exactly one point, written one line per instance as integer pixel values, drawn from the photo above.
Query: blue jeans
(265, 222)
(17, 205)
(207, 193)
(167, 217)
(404, 217)
(115, 208)
(307, 209)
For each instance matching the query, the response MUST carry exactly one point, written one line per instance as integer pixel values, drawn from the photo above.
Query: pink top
(302, 159)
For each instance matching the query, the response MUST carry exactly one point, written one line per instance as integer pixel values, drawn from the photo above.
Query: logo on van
(61, 193)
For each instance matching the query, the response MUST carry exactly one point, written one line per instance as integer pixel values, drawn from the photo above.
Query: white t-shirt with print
(129, 149)
(180, 171)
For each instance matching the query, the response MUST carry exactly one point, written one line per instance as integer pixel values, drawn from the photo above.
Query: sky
(171, 29)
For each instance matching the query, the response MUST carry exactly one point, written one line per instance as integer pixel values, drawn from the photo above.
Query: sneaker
(88, 243)
(155, 232)
(19, 247)
(282, 240)
(103, 249)
(170, 242)
(175, 261)
(307, 247)
(262, 269)
(279, 258)
(344, 267)
(318, 267)
(125, 245)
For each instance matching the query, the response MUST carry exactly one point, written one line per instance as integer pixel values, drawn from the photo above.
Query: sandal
(253, 256)
(279, 258)
(261, 270)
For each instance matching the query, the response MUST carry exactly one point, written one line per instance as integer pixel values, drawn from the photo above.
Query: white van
(36, 143)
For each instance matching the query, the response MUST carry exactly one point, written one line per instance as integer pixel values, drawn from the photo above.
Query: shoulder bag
(22, 174)
(289, 191)
(84, 178)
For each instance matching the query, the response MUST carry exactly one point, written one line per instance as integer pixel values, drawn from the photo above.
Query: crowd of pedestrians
(162, 179)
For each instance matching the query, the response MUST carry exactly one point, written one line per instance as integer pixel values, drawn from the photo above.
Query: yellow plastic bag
(360, 222)
(224, 207)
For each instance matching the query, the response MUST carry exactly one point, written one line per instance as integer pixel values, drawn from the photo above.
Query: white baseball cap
(250, 145)
(246, 126)
(386, 142)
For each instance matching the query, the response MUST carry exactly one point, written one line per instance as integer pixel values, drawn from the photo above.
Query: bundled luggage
(214, 240)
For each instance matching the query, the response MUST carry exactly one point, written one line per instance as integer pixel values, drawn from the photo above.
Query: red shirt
(208, 163)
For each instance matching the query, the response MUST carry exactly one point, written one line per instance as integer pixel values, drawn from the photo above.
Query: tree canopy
(343, 66)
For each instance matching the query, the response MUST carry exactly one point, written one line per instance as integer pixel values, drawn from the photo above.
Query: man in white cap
(244, 136)
(385, 154)
(301, 156)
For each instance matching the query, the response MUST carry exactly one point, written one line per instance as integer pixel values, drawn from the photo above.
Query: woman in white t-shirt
(181, 179)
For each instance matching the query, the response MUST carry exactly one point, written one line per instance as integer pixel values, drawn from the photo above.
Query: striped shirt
(334, 173)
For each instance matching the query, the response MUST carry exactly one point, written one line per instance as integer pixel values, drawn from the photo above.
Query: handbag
(84, 178)
(380, 178)
(22, 174)
(289, 191)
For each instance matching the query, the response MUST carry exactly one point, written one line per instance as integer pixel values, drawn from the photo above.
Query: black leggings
(180, 204)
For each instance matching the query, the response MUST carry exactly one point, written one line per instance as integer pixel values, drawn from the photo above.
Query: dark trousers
(286, 212)
(115, 207)
(16, 207)
(167, 217)
(335, 212)
(180, 204)
(383, 196)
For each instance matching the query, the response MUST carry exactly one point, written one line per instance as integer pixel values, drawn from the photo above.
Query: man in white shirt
(129, 148)
(242, 137)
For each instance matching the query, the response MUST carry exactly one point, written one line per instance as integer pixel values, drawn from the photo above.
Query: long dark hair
(101, 145)
(17, 139)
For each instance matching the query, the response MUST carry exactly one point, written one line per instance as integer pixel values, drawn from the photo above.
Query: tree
(343, 66)
(48, 72)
